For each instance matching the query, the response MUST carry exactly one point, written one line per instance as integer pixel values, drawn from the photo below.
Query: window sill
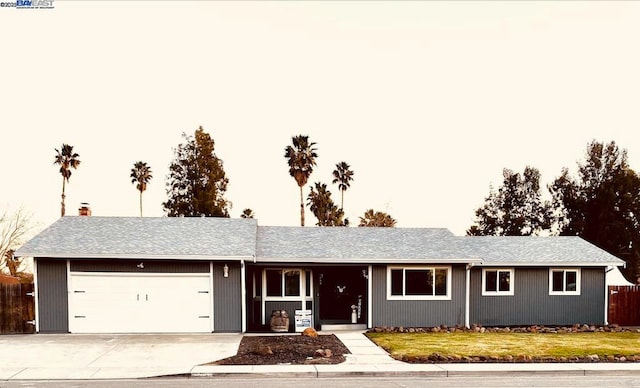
(417, 297)
(502, 293)
(564, 293)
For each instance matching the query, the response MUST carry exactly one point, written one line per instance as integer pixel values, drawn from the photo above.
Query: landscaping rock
(261, 349)
(310, 332)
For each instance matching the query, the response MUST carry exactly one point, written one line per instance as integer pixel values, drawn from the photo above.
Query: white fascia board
(552, 264)
(324, 260)
(136, 256)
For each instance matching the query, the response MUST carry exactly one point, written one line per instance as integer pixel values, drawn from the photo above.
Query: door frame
(364, 306)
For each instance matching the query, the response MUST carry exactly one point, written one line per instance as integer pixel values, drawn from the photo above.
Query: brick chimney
(84, 210)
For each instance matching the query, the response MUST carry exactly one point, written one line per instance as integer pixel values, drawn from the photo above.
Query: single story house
(145, 275)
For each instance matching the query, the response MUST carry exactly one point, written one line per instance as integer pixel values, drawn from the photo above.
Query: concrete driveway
(107, 356)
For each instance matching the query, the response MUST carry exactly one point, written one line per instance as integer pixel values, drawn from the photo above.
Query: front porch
(336, 295)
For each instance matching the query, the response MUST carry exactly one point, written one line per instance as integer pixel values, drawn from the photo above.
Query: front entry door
(340, 289)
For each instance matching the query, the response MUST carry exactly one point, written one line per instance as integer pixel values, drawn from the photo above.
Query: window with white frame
(497, 282)
(285, 283)
(564, 281)
(419, 283)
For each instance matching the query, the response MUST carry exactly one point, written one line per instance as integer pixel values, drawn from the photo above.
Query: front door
(343, 291)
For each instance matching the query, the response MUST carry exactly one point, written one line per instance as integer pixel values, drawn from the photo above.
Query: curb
(414, 370)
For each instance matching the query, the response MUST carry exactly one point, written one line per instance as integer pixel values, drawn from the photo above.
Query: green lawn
(402, 345)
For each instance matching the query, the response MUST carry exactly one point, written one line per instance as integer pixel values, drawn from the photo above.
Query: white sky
(428, 101)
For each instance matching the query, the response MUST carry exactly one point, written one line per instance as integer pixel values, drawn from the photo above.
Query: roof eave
(321, 260)
(122, 256)
(553, 264)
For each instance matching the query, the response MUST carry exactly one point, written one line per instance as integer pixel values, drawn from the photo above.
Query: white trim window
(290, 283)
(418, 283)
(497, 281)
(564, 281)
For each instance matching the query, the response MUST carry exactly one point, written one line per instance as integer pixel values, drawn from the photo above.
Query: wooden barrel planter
(279, 321)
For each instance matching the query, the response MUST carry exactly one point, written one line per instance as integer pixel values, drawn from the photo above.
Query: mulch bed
(287, 349)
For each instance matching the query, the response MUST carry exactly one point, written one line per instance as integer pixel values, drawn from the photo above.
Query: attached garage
(141, 275)
(149, 303)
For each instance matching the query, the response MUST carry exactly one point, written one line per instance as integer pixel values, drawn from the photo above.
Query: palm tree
(247, 213)
(322, 206)
(342, 175)
(377, 219)
(141, 174)
(302, 157)
(67, 159)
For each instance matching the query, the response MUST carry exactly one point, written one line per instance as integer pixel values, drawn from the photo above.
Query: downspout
(467, 295)
(244, 296)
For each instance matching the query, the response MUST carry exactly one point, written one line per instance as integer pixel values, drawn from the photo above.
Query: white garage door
(150, 303)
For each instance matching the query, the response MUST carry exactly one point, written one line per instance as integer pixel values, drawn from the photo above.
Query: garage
(140, 303)
(141, 274)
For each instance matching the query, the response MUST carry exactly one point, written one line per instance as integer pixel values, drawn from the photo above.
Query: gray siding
(150, 266)
(53, 307)
(418, 313)
(227, 299)
(531, 303)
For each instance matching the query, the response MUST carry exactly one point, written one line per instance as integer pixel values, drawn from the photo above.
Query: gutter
(136, 256)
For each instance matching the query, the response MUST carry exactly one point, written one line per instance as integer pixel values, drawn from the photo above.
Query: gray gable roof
(536, 251)
(225, 238)
(351, 245)
(144, 237)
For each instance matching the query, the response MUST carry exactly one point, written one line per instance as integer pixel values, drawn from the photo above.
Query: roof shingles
(144, 236)
(205, 238)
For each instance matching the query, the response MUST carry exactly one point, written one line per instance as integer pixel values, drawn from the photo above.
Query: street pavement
(82, 357)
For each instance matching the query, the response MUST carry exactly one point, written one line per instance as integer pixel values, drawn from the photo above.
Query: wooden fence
(17, 308)
(624, 305)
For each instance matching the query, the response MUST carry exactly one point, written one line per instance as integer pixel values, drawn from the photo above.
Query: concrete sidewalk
(367, 359)
(83, 357)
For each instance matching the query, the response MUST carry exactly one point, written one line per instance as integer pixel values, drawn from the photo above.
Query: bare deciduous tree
(14, 228)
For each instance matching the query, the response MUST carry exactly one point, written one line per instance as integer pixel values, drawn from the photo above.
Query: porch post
(243, 287)
(35, 294)
(467, 297)
(369, 298)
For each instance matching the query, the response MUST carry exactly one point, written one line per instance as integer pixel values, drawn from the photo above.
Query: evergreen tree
(602, 205)
(516, 209)
(197, 181)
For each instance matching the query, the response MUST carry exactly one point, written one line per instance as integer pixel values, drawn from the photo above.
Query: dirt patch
(287, 349)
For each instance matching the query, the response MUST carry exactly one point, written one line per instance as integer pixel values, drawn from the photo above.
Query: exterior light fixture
(225, 271)
(141, 265)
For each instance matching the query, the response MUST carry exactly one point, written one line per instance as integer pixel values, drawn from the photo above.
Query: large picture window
(564, 281)
(497, 282)
(418, 282)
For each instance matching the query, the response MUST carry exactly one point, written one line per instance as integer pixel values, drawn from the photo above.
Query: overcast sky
(428, 101)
